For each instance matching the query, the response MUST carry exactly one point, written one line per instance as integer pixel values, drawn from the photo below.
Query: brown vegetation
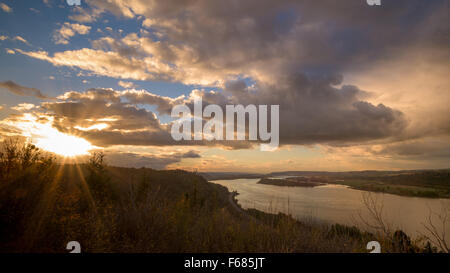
(44, 205)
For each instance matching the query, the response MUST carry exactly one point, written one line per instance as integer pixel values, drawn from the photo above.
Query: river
(339, 204)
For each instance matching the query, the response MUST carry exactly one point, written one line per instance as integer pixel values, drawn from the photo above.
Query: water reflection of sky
(336, 204)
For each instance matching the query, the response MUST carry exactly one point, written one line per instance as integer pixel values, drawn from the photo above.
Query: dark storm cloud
(125, 117)
(285, 35)
(126, 124)
(311, 111)
(317, 111)
(207, 42)
(294, 53)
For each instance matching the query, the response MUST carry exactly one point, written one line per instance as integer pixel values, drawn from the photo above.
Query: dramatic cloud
(21, 90)
(324, 114)
(348, 77)
(110, 64)
(206, 41)
(416, 82)
(316, 111)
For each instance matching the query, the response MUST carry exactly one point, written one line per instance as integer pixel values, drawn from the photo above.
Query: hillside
(108, 209)
(229, 175)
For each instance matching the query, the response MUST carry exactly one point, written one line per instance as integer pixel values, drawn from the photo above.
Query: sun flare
(64, 145)
(46, 137)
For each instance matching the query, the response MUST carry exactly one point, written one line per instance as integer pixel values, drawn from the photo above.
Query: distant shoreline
(420, 183)
(289, 182)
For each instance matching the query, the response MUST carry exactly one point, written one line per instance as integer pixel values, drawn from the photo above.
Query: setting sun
(44, 136)
(64, 145)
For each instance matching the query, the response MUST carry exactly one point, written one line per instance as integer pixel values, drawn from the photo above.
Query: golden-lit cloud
(39, 131)
(125, 84)
(361, 102)
(5, 8)
(16, 38)
(98, 126)
(23, 107)
(68, 30)
(107, 63)
(21, 39)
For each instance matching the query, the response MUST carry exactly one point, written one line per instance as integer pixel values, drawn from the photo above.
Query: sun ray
(85, 187)
(44, 207)
(48, 138)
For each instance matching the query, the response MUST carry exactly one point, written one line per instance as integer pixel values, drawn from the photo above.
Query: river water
(340, 204)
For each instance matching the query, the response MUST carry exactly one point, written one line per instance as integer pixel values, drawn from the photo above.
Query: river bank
(334, 203)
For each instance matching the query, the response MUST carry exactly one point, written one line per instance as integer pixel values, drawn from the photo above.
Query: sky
(359, 87)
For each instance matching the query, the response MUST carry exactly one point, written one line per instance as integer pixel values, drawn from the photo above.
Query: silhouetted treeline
(44, 205)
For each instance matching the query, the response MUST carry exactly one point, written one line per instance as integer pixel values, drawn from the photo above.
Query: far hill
(228, 175)
(422, 183)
